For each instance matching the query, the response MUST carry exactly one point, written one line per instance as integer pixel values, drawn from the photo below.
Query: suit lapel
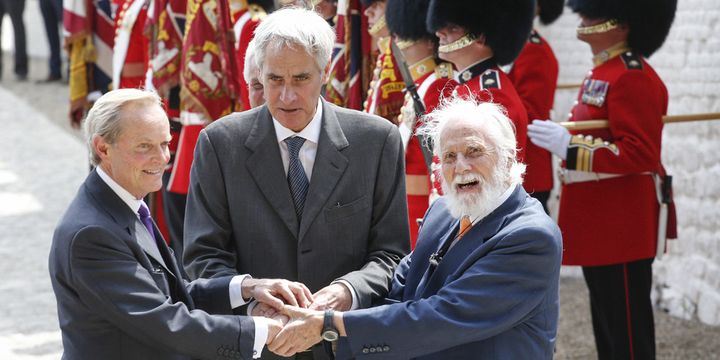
(265, 166)
(476, 237)
(329, 166)
(148, 244)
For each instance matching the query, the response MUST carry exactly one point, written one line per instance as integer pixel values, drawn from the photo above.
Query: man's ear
(101, 147)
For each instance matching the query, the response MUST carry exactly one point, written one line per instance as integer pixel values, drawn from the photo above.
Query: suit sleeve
(496, 292)
(635, 108)
(110, 279)
(389, 236)
(209, 248)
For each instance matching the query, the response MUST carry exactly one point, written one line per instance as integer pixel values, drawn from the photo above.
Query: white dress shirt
(235, 288)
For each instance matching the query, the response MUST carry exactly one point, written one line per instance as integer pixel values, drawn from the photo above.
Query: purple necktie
(144, 213)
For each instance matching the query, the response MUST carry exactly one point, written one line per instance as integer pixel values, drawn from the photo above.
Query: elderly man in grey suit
(120, 294)
(298, 188)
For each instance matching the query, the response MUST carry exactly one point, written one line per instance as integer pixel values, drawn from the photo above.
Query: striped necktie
(297, 180)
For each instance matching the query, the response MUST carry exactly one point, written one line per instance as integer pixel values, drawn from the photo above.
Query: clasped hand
(296, 325)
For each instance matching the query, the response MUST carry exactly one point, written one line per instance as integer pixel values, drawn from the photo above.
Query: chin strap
(599, 28)
(458, 44)
(379, 25)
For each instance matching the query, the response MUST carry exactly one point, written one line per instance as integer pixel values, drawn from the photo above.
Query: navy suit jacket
(493, 296)
(120, 294)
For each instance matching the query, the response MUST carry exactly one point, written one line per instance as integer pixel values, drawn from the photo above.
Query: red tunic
(433, 82)
(245, 22)
(615, 220)
(130, 50)
(534, 75)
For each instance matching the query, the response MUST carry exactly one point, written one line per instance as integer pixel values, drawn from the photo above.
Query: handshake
(294, 315)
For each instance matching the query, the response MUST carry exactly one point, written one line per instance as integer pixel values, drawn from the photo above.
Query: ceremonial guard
(534, 74)
(130, 49)
(246, 16)
(615, 202)
(385, 95)
(478, 37)
(432, 79)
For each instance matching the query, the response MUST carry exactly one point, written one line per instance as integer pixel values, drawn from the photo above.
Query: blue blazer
(493, 296)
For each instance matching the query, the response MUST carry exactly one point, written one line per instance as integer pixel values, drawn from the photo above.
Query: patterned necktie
(465, 225)
(297, 180)
(144, 213)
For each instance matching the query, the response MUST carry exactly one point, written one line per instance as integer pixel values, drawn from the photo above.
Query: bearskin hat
(506, 24)
(406, 19)
(550, 10)
(649, 21)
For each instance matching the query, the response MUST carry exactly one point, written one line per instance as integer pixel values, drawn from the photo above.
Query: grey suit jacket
(240, 216)
(118, 297)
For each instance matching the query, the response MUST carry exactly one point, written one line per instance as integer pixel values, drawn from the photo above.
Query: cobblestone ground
(42, 163)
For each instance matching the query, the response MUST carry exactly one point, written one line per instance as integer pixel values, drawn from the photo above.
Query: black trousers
(15, 9)
(542, 197)
(621, 308)
(52, 13)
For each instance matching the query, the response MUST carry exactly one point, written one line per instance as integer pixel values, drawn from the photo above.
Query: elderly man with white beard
(482, 282)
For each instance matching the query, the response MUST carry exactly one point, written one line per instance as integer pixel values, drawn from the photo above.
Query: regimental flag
(351, 63)
(385, 95)
(208, 79)
(166, 23)
(89, 34)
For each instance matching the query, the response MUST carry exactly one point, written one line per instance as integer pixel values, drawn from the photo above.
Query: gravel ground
(35, 123)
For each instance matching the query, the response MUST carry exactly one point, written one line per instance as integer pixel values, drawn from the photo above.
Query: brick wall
(687, 279)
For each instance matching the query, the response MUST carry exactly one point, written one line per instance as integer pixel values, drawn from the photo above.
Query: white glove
(549, 136)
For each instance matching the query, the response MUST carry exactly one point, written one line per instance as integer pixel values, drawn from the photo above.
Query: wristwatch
(329, 332)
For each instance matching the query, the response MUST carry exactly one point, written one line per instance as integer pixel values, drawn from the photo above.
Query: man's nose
(287, 94)
(462, 165)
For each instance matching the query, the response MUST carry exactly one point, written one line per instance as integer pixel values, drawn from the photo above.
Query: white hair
(104, 118)
(250, 62)
(291, 27)
(490, 118)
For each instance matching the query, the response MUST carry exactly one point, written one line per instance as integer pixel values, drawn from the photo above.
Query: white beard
(475, 205)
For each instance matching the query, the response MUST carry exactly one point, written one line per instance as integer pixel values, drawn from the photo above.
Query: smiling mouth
(468, 185)
(153, 172)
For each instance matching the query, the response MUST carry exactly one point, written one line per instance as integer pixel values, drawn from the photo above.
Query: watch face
(330, 335)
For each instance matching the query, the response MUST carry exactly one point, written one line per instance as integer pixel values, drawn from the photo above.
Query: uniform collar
(475, 70)
(609, 53)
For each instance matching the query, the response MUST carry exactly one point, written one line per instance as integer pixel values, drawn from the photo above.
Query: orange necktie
(465, 225)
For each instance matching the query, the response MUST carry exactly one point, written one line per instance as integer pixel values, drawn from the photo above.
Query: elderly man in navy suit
(483, 280)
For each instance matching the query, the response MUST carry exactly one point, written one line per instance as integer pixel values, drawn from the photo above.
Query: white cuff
(236, 298)
(355, 303)
(261, 334)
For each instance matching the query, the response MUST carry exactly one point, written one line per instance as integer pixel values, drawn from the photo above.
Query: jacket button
(365, 351)
(379, 349)
(386, 348)
(372, 350)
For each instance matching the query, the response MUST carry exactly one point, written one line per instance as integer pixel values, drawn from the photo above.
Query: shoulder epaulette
(444, 70)
(631, 60)
(535, 38)
(490, 80)
(257, 12)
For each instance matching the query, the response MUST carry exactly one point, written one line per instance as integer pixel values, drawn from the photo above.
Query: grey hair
(104, 117)
(490, 117)
(249, 61)
(292, 27)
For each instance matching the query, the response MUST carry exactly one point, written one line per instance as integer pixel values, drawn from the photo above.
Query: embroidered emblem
(594, 92)
(466, 76)
(632, 61)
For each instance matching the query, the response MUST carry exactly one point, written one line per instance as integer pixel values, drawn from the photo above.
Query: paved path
(41, 167)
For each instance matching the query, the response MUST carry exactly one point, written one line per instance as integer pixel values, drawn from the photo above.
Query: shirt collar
(475, 69)
(124, 195)
(311, 132)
